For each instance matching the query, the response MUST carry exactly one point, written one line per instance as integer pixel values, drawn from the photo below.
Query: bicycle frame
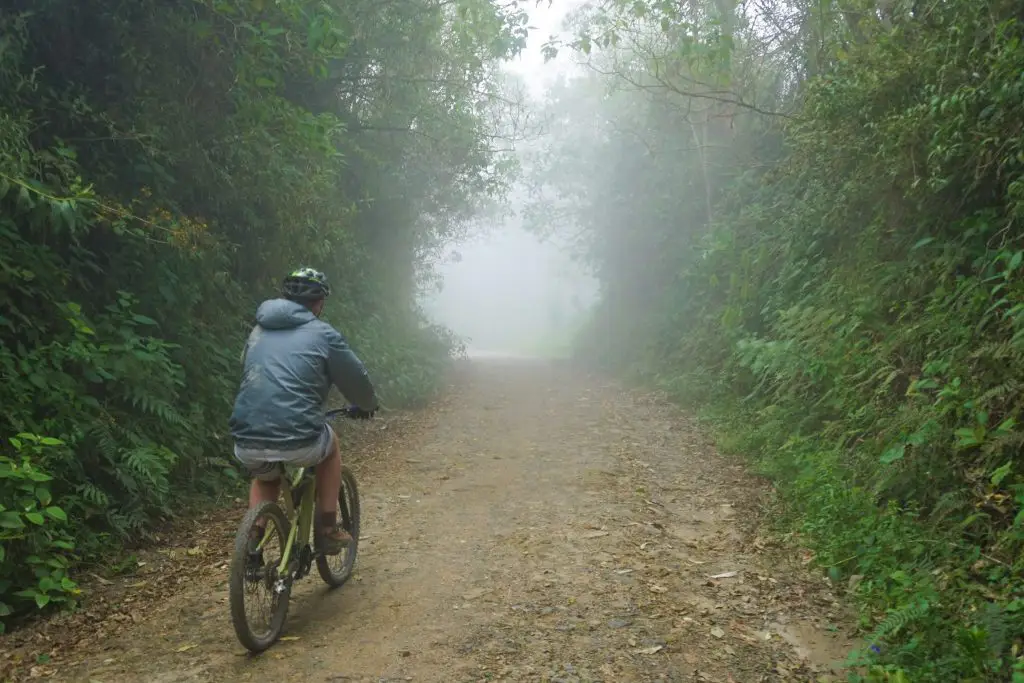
(301, 523)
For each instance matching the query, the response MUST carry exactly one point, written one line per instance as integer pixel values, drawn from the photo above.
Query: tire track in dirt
(544, 526)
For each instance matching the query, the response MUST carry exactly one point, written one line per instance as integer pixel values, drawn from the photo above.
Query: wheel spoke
(336, 569)
(258, 605)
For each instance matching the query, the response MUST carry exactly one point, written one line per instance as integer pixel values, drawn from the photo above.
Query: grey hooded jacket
(290, 362)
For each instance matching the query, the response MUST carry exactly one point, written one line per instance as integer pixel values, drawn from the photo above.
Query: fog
(505, 289)
(509, 292)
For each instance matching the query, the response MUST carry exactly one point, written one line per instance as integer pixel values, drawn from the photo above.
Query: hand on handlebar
(357, 413)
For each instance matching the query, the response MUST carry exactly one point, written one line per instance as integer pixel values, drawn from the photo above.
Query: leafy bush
(34, 539)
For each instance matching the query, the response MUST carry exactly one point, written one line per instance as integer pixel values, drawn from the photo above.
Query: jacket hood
(282, 314)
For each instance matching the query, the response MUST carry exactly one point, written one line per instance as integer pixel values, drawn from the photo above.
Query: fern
(93, 495)
(950, 503)
(104, 440)
(1008, 388)
(998, 627)
(898, 619)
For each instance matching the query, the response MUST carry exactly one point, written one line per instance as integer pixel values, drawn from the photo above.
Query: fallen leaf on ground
(650, 650)
(186, 648)
(657, 589)
(594, 534)
(475, 593)
(288, 638)
(717, 632)
(724, 575)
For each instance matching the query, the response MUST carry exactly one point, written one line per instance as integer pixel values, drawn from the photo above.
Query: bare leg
(260, 491)
(332, 538)
(328, 479)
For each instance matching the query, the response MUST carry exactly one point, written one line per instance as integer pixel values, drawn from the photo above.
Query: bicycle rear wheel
(335, 570)
(254, 570)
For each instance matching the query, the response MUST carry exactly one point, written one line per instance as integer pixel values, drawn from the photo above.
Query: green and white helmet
(306, 284)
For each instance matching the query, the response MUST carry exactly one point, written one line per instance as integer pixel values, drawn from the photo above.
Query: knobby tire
(237, 583)
(348, 516)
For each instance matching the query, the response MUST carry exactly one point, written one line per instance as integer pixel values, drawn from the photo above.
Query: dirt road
(537, 525)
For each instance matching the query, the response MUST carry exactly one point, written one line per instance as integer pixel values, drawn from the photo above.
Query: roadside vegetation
(806, 220)
(162, 165)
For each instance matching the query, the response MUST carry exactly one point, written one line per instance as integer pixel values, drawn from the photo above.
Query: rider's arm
(248, 342)
(349, 374)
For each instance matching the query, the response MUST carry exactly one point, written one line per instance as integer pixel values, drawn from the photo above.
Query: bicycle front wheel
(258, 593)
(335, 570)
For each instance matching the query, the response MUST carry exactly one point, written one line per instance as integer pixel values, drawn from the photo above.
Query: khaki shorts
(262, 463)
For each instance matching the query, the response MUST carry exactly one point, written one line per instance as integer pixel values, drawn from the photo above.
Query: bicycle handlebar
(342, 412)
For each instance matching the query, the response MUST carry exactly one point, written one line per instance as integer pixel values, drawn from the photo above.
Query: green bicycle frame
(301, 524)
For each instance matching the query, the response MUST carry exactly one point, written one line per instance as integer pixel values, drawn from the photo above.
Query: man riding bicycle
(290, 362)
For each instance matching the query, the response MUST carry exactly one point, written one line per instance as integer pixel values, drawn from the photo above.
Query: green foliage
(156, 183)
(841, 289)
(34, 539)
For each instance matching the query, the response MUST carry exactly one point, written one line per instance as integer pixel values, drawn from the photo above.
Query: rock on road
(537, 524)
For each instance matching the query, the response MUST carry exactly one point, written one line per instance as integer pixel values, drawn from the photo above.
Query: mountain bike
(255, 566)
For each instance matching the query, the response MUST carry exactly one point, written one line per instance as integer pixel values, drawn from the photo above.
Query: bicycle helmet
(306, 284)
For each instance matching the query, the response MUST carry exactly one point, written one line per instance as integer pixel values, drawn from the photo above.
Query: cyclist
(290, 362)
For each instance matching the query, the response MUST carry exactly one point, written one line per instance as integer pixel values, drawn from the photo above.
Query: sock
(328, 520)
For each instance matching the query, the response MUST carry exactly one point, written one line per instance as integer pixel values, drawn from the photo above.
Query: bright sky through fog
(530, 64)
(510, 292)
